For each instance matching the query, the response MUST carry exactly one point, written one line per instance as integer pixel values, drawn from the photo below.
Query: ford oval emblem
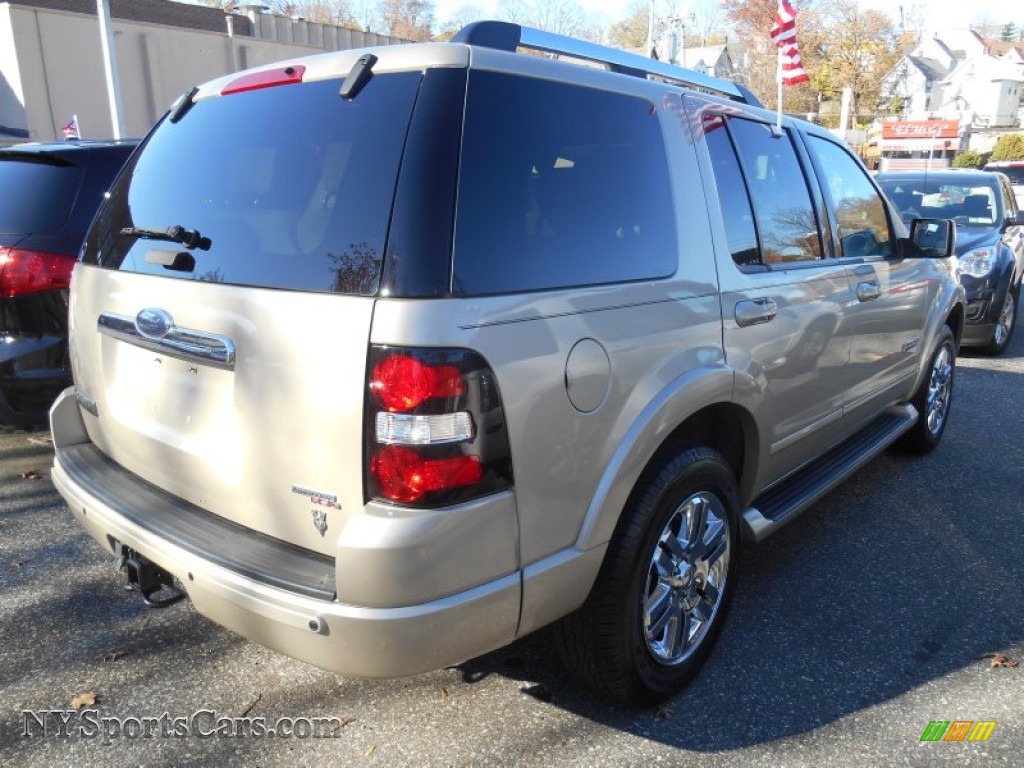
(154, 323)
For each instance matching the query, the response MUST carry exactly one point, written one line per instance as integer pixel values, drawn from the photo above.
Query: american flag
(791, 66)
(70, 130)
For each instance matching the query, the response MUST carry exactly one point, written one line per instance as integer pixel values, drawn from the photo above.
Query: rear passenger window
(786, 221)
(860, 212)
(559, 186)
(737, 215)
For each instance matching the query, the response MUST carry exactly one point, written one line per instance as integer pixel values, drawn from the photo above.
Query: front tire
(933, 398)
(1005, 324)
(665, 586)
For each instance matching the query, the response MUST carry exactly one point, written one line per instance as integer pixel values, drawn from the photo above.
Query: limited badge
(320, 520)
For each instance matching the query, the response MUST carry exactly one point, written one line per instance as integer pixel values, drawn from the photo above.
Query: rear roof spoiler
(505, 36)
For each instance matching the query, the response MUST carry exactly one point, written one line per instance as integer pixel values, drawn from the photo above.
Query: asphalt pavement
(880, 610)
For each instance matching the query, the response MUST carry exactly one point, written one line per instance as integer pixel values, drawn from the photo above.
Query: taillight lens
(435, 427)
(23, 271)
(401, 382)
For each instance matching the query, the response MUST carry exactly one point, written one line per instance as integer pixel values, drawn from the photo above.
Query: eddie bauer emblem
(320, 520)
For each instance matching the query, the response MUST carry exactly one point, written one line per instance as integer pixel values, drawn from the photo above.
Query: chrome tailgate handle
(155, 330)
(755, 312)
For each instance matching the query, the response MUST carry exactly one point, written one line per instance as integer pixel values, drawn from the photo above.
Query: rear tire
(665, 586)
(933, 398)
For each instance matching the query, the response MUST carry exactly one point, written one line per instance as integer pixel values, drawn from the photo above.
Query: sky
(952, 13)
(938, 14)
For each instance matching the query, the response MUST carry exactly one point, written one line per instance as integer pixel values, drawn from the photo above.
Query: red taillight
(435, 427)
(401, 383)
(404, 475)
(23, 271)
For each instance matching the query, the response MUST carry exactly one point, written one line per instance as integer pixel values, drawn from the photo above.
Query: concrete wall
(51, 67)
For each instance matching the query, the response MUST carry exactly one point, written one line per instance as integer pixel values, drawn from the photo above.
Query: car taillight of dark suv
(49, 194)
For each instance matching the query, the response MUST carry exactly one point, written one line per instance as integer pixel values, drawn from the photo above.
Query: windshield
(927, 198)
(285, 187)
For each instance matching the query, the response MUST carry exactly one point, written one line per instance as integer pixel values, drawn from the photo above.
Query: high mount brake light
(266, 78)
(24, 271)
(435, 427)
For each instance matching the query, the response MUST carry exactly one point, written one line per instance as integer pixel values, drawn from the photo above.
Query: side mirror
(934, 238)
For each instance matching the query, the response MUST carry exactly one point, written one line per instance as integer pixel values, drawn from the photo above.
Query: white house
(987, 87)
(958, 75)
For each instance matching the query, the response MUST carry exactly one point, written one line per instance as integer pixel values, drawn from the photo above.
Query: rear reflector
(266, 78)
(23, 271)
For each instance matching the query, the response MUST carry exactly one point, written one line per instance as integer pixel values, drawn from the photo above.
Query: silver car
(386, 358)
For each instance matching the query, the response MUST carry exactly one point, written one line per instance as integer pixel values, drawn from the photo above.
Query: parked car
(989, 242)
(465, 342)
(48, 196)
(1014, 171)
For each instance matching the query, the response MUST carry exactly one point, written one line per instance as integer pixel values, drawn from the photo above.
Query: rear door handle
(755, 312)
(868, 291)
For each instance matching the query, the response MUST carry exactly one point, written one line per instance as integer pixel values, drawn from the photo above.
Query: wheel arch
(719, 424)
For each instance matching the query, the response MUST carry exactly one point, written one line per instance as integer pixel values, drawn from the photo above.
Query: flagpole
(778, 79)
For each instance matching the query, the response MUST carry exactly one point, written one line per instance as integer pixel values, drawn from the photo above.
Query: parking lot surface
(894, 602)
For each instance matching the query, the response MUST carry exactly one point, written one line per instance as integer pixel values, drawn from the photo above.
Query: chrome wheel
(1007, 317)
(686, 579)
(940, 386)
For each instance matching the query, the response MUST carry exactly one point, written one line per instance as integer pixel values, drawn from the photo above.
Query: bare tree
(409, 19)
(335, 12)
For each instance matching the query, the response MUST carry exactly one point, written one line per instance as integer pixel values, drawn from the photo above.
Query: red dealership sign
(921, 129)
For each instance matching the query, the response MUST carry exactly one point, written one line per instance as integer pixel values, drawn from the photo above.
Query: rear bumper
(350, 639)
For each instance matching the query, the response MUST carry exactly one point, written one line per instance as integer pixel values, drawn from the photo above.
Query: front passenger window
(860, 212)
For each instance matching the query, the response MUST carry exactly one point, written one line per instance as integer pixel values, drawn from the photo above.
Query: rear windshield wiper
(190, 238)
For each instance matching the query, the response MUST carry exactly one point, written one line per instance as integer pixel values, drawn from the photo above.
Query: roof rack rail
(506, 36)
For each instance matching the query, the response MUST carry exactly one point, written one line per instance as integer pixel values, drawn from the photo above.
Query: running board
(783, 502)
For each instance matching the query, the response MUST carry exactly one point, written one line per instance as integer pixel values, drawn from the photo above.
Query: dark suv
(48, 195)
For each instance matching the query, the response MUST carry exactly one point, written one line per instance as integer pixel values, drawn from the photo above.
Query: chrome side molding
(166, 338)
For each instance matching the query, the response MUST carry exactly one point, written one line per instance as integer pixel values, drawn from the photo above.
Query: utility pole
(110, 67)
(650, 30)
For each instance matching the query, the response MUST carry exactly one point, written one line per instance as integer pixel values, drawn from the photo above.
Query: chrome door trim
(183, 343)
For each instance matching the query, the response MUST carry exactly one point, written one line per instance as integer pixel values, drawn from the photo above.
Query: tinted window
(785, 217)
(860, 212)
(560, 186)
(36, 195)
(737, 215)
(293, 185)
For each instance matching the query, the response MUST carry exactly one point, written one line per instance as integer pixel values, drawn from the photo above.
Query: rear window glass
(560, 186)
(36, 195)
(292, 185)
